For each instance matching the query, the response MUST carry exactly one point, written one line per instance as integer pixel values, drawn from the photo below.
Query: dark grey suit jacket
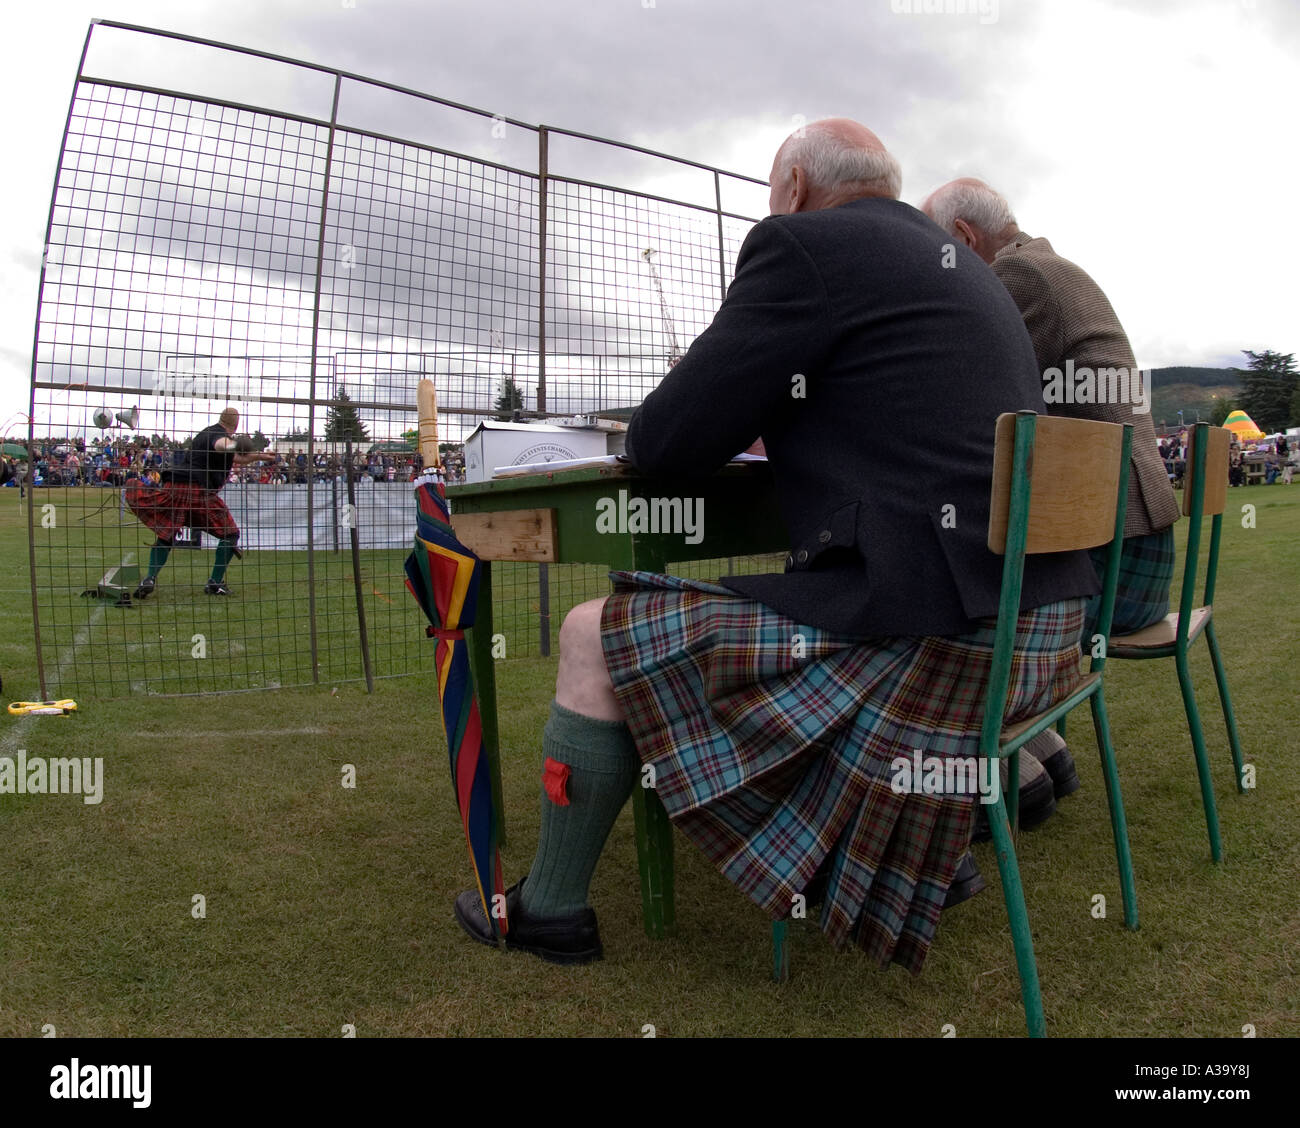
(883, 464)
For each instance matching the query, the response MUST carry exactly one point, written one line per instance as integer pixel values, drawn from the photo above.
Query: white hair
(830, 162)
(977, 204)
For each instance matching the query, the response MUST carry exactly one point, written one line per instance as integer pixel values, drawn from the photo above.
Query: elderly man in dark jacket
(772, 707)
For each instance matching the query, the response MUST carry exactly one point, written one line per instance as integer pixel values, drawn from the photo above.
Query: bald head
(971, 211)
(829, 163)
(229, 420)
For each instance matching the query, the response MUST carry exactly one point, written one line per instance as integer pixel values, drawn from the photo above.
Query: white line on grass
(236, 733)
(19, 729)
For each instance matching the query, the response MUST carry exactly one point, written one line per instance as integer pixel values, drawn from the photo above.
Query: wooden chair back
(1074, 477)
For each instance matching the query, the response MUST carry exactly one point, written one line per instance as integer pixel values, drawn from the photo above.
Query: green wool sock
(157, 558)
(224, 552)
(602, 767)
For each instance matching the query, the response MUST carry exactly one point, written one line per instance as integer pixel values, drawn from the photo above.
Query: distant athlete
(189, 497)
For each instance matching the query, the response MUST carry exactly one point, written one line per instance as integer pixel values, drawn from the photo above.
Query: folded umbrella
(443, 575)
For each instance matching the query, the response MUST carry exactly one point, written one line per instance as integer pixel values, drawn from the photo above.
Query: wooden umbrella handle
(426, 398)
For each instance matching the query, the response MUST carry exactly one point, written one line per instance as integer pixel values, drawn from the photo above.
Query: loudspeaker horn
(102, 419)
(130, 418)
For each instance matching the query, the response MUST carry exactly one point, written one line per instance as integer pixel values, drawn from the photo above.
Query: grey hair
(977, 204)
(831, 163)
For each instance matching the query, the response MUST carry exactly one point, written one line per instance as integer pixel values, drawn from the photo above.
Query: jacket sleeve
(1037, 303)
(738, 377)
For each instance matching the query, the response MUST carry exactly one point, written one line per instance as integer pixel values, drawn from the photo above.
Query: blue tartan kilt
(772, 744)
(1146, 569)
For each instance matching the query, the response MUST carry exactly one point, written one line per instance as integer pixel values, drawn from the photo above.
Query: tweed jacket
(874, 365)
(1070, 319)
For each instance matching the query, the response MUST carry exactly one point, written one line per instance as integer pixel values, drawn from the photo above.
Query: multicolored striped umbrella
(442, 574)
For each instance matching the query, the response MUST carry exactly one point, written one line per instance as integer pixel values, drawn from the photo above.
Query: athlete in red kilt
(189, 497)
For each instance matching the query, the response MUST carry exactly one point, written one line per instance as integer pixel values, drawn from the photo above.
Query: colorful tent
(1243, 426)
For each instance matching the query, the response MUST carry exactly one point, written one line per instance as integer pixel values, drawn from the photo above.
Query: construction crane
(675, 353)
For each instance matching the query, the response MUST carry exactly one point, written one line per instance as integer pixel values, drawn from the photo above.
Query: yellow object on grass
(43, 708)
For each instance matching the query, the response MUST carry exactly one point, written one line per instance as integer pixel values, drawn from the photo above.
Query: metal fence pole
(311, 399)
(544, 609)
(36, 337)
(354, 535)
(543, 143)
(722, 240)
(543, 570)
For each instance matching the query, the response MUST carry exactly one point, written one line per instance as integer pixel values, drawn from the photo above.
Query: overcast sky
(1153, 142)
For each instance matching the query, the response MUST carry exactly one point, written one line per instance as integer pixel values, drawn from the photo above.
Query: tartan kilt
(173, 506)
(772, 744)
(1146, 569)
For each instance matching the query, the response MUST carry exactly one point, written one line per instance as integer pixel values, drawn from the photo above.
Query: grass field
(327, 905)
(263, 638)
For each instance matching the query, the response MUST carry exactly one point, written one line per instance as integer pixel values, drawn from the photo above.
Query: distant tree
(343, 422)
(1268, 385)
(509, 401)
(298, 436)
(1295, 409)
(1223, 407)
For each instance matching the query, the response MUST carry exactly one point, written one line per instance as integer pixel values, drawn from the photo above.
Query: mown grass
(263, 638)
(327, 905)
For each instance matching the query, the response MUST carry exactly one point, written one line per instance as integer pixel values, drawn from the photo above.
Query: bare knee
(583, 683)
(580, 631)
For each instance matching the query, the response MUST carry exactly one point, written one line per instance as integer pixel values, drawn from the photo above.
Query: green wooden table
(588, 516)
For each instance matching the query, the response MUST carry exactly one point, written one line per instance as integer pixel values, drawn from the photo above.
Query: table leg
(485, 687)
(654, 851)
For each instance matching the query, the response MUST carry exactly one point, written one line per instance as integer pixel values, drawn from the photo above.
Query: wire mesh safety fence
(308, 268)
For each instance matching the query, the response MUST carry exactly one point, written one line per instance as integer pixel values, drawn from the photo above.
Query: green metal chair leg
(1018, 917)
(1118, 823)
(1202, 760)
(1013, 786)
(780, 952)
(1229, 718)
(654, 851)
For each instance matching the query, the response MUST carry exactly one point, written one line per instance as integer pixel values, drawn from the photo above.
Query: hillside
(1192, 391)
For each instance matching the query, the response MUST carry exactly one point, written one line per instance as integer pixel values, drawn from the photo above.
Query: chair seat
(1158, 636)
(1012, 731)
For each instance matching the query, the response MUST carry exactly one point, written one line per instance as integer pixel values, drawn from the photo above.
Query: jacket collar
(1021, 239)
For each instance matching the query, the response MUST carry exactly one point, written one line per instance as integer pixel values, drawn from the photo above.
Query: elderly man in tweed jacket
(1074, 329)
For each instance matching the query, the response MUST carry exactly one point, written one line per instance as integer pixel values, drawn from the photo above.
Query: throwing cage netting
(306, 261)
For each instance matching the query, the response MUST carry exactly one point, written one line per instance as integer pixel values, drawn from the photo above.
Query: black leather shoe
(146, 588)
(1037, 800)
(966, 882)
(216, 587)
(1050, 750)
(571, 939)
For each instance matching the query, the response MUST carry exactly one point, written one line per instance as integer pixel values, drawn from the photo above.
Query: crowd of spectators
(1274, 459)
(65, 462)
